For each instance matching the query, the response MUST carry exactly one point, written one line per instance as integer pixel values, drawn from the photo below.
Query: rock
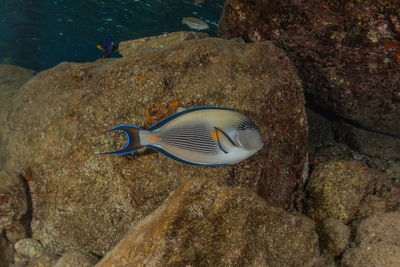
(45, 260)
(29, 248)
(11, 79)
(334, 236)
(391, 194)
(368, 143)
(380, 227)
(29, 252)
(347, 52)
(202, 223)
(141, 45)
(379, 254)
(6, 252)
(336, 189)
(76, 258)
(319, 130)
(17, 231)
(85, 201)
(13, 201)
(371, 205)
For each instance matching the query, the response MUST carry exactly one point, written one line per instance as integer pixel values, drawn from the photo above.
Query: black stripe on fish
(173, 157)
(177, 115)
(245, 124)
(195, 145)
(196, 138)
(200, 150)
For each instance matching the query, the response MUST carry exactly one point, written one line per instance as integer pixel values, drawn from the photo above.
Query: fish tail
(133, 144)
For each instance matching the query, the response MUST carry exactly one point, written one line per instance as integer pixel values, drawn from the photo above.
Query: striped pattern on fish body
(206, 136)
(195, 23)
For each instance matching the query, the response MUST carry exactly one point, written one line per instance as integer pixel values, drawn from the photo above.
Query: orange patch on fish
(155, 138)
(216, 135)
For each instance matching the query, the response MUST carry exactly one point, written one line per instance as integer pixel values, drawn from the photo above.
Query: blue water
(39, 34)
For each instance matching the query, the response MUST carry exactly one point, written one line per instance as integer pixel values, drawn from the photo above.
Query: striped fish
(202, 136)
(194, 23)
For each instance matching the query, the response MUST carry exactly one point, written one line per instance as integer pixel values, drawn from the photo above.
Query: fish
(108, 47)
(195, 23)
(200, 136)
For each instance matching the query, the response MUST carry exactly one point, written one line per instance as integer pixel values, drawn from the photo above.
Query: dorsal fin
(178, 114)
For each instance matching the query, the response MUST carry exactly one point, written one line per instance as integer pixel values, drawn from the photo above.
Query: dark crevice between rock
(99, 257)
(333, 117)
(26, 219)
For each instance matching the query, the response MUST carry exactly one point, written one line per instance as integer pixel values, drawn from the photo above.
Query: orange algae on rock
(160, 111)
(143, 79)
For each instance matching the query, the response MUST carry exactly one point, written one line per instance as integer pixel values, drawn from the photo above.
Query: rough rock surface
(347, 52)
(378, 239)
(203, 224)
(334, 236)
(6, 252)
(372, 205)
(76, 258)
(141, 45)
(29, 252)
(336, 189)
(381, 227)
(379, 254)
(13, 201)
(86, 201)
(11, 79)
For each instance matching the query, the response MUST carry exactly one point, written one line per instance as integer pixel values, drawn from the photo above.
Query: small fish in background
(108, 47)
(202, 136)
(194, 23)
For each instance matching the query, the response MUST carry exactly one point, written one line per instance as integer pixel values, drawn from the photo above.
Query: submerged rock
(380, 227)
(126, 48)
(203, 224)
(347, 52)
(336, 189)
(334, 236)
(380, 254)
(13, 201)
(76, 258)
(11, 79)
(378, 239)
(85, 201)
(29, 252)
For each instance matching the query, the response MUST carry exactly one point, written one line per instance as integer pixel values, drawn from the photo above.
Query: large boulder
(203, 224)
(11, 79)
(347, 52)
(85, 201)
(13, 198)
(381, 227)
(380, 254)
(336, 189)
(378, 239)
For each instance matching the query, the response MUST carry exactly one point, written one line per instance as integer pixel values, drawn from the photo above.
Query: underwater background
(39, 34)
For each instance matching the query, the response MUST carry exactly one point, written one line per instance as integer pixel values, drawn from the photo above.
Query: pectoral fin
(225, 143)
(99, 47)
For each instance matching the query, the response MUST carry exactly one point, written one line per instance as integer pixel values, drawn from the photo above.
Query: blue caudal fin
(133, 144)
